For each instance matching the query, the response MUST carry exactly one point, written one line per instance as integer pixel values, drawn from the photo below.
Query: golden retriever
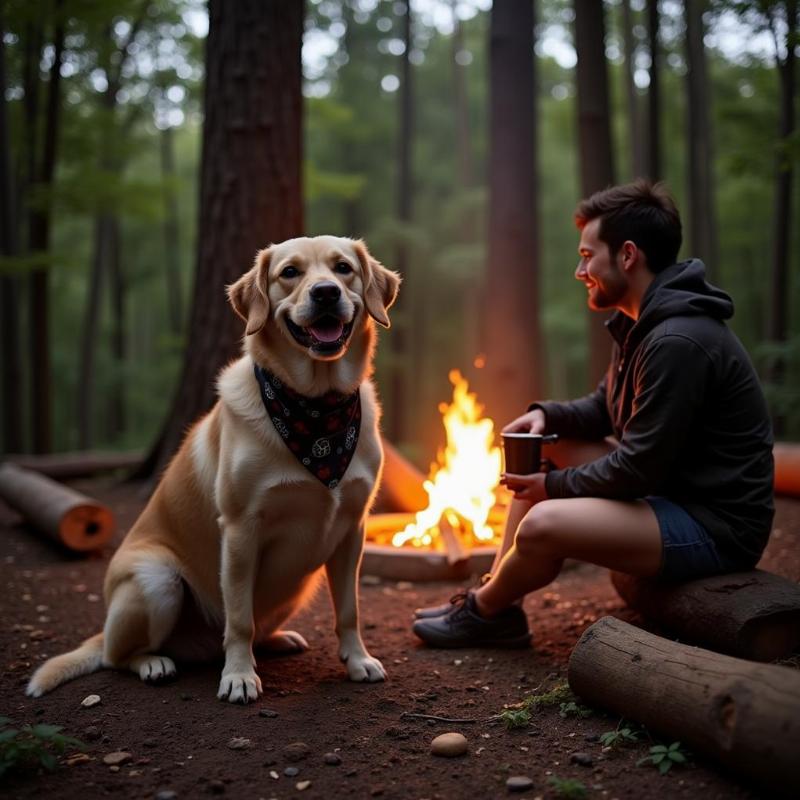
(246, 515)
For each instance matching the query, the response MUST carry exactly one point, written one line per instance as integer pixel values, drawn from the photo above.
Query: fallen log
(753, 615)
(73, 519)
(744, 715)
(66, 466)
(787, 468)
(402, 483)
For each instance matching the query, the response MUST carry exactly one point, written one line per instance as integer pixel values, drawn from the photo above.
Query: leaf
(658, 748)
(678, 758)
(48, 761)
(664, 766)
(8, 734)
(44, 731)
(657, 758)
(5, 721)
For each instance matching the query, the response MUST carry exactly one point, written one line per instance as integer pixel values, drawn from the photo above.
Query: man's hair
(641, 212)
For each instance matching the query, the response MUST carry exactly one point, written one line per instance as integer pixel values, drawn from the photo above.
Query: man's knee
(538, 531)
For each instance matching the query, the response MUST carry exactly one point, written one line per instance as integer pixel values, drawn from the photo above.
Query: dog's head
(315, 292)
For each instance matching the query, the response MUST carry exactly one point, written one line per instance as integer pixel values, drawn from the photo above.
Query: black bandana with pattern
(322, 432)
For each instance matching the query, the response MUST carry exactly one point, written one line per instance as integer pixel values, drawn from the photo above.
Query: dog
(266, 490)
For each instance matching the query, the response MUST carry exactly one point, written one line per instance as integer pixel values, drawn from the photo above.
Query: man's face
(602, 274)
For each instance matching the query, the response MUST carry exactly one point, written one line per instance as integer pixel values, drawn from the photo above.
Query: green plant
(560, 693)
(619, 736)
(573, 709)
(515, 717)
(32, 745)
(568, 787)
(663, 757)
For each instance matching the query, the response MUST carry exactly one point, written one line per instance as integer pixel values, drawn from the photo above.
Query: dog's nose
(325, 293)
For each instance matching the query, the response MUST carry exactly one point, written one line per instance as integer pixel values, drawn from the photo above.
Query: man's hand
(530, 422)
(526, 487)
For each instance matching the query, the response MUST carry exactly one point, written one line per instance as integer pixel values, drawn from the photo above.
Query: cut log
(66, 466)
(402, 483)
(753, 615)
(744, 715)
(73, 519)
(787, 468)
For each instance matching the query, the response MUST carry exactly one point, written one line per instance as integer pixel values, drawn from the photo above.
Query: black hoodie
(683, 399)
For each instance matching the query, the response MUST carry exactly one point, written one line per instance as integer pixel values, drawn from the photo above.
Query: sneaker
(463, 626)
(456, 599)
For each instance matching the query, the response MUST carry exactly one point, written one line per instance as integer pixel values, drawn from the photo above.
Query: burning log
(754, 615)
(74, 520)
(744, 715)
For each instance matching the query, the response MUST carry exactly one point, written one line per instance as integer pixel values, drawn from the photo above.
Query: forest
(150, 147)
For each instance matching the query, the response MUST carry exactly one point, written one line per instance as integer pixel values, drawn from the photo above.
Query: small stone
(150, 743)
(449, 745)
(302, 785)
(216, 787)
(377, 791)
(296, 751)
(91, 734)
(291, 772)
(332, 759)
(519, 783)
(77, 758)
(117, 758)
(113, 768)
(582, 759)
(90, 700)
(370, 580)
(240, 743)
(166, 794)
(267, 712)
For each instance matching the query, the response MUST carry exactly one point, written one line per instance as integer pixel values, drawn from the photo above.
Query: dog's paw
(240, 687)
(364, 669)
(286, 642)
(154, 669)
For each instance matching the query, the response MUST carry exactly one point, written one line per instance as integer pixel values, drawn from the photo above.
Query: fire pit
(457, 534)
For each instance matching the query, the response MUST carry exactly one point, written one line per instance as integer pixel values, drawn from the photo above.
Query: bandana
(322, 432)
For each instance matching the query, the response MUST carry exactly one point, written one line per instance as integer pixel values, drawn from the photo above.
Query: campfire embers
(461, 525)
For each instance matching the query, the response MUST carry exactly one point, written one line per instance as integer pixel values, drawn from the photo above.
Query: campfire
(466, 505)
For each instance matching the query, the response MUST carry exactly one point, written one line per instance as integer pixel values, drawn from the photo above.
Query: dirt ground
(184, 743)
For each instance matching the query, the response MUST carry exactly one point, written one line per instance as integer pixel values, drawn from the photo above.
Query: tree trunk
(635, 137)
(511, 324)
(753, 614)
(654, 95)
(119, 350)
(461, 100)
(250, 186)
(12, 427)
(172, 253)
(779, 299)
(702, 211)
(744, 715)
(595, 146)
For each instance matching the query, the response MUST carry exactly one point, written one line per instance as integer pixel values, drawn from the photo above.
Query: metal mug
(523, 452)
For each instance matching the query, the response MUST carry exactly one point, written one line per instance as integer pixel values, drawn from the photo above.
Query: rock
(302, 785)
(91, 700)
(216, 787)
(150, 743)
(77, 758)
(291, 772)
(370, 580)
(582, 759)
(117, 758)
(449, 745)
(519, 783)
(240, 743)
(91, 734)
(332, 759)
(165, 794)
(267, 712)
(296, 751)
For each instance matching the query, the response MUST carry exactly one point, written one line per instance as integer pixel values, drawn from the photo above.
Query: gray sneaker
(463, 626)
(456, 599)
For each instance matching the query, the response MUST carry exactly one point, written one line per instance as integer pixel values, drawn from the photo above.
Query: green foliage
(569, 788)
(514, 718)
(573, 709)
(619, 737)
(664, 757)
(32, 746)
(560, 693)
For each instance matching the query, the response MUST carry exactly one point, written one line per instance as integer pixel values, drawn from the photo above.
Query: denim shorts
(688, 552)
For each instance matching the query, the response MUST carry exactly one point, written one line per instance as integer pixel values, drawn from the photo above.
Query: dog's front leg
(342, 569)
(240, 683)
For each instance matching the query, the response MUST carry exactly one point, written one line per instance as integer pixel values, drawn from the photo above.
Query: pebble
(150, 743)
(165, 794)
(291, 772)
(216, 787)
(449, 745)
(582, 759)
(302, 785)
(332, 759)
(296, 751)
(240, 743)
(267, 712)
(117, 758)
(519, 783)
(370, 580)
(90, 700)
(91, 734)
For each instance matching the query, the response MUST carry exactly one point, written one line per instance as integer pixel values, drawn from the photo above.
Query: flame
(461, 489)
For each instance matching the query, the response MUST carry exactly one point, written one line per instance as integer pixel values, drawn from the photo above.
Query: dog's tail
(81, 661)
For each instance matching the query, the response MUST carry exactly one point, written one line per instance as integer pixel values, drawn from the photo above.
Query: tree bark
(753, 615)
(744, 715)
(636, 139)
(117, 421)
(510, 332)
(172, 265)
(702, 209)
(250, 185)
(595, 145)
(654, 95)
(461, 100)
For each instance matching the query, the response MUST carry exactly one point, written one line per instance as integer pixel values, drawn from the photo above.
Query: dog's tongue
(329, 331)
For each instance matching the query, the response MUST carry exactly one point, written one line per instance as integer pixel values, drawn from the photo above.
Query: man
(682, 486)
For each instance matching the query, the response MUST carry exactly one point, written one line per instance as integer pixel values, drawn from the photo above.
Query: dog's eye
(289, 272)
(343, 268)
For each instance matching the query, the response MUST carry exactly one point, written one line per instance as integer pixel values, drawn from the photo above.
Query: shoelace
(458, 597)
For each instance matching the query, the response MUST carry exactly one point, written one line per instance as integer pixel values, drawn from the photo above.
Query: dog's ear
(248, 295)
(380, 285)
